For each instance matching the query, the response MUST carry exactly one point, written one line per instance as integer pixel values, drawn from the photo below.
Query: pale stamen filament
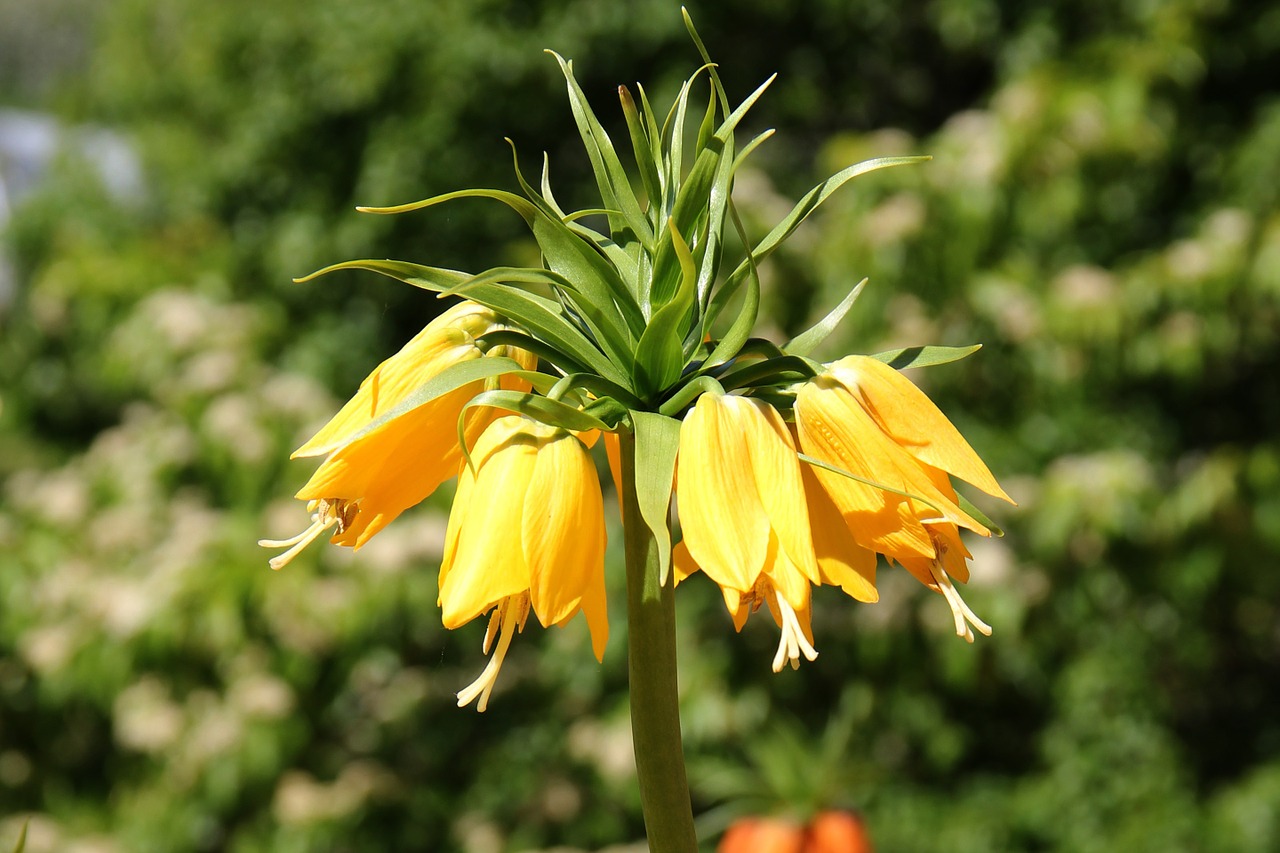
(326, 515)
(510, 615)
(793, 641)
(959, 610)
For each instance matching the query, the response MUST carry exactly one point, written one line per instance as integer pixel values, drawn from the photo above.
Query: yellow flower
(366, 481)
(780, 584)
(781, 587)
(526, 532)
(864, 417)
(743, 510)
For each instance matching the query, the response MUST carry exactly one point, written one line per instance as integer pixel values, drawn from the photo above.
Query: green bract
(627, 314)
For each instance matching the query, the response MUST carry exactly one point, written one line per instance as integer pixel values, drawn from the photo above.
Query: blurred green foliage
(1101, 213)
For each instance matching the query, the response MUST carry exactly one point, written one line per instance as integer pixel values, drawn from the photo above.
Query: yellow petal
(908, 416)
(486, 563)
(844, 563)
(725, 526)
(595, 609)
(389, 384)
(833, 427)
(563, 528)
(832, 431)
(682, 563)
(392, 468)
(952, 555)
(776, 470)
(785, 576)
(613, 452)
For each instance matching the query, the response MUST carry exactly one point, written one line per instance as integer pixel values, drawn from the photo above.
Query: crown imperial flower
(788, 475)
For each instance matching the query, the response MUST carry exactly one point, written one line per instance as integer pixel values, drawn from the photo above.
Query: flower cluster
(768, 508)
(786, 473)
(766, 521)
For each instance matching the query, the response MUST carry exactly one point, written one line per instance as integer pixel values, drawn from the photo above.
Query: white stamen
(299, 542)
(325, 514)
(793, 642)
(959, 610)
(512, 613)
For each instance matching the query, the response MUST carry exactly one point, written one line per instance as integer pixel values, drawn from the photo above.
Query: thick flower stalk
(787, 474)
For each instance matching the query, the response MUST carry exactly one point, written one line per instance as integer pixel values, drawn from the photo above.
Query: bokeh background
(1101, 212)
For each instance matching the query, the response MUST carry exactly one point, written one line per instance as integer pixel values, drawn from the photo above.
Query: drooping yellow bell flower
(746, 522)
(740, 491)
(864, 417)
(526, 532)
(781, 586)
(368, 479)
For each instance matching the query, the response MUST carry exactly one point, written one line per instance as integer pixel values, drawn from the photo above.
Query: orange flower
(829, 831)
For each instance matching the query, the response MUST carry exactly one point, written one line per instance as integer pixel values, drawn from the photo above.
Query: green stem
(655, 700)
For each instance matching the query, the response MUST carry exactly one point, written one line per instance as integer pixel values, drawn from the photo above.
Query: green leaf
(22, 837)
(773, 371)
(805, 342)
(688, 392)
(901, 359)
(640, 144)
(655, 138)
(522, 206)
(608, 331)
(746, 319)
(451, 378)
(547, 195)
(609, 410)
(657, 444)
(611, 178)
(977, 515)
(543, 409)
(810, 202)
(599, 388)
(696, 189)
(659, 355)
(749, 147)
(706, 58)
(540, 316)
(543, 350)
(608, 297)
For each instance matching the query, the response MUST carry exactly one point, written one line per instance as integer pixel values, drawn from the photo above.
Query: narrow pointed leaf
(520, 205)
(901, 359)
(773, 371)
(659, 355)
(746, 319)
(544, 409)
(611, 178)
(539, 316)
(657, 444)
(977, 515)
(706, 57)
(805, 342)
(835, 469)
(811, 201)
(543, 350)
(640, 144)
